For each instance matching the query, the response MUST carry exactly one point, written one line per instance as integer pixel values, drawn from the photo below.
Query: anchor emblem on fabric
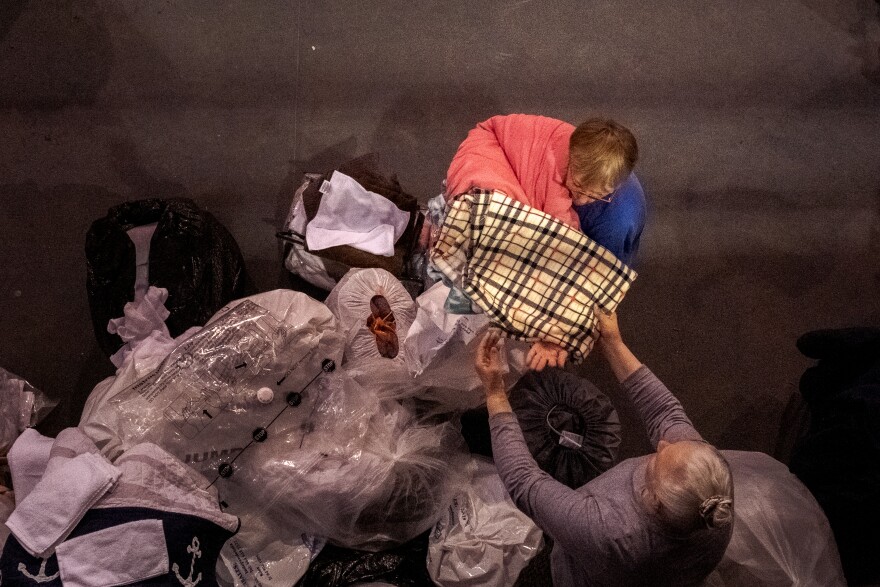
(41, 576)
(196, 553)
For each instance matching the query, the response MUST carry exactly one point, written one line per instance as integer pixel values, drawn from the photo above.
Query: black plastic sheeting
(192, 255)
(404, 566)
(839, 457)
(569, 403)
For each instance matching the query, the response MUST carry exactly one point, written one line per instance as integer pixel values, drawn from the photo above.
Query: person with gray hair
(661, 519)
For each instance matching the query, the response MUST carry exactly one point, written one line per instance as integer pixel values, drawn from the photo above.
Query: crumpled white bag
(141, 319)
(440, 349)
(484, 540)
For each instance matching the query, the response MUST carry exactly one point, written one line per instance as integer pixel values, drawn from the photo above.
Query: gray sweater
(603, 533)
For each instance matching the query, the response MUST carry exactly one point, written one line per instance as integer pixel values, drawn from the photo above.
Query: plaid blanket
(536, 277)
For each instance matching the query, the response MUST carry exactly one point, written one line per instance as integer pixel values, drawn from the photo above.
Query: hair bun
(710, 505)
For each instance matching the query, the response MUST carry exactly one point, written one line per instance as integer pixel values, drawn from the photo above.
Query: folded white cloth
(55, 506)
(119, 555)
(351, 215)
(27, 461)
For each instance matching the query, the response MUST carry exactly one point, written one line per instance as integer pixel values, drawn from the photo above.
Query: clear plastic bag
(21, 406)
(484, 540)
(780, 534)
(293, 445)
(363, 472)
(250, 368)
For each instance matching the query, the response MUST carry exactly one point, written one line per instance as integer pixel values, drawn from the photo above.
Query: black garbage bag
(838, 459)
(404, 566)
(552, 402)
(192, 255)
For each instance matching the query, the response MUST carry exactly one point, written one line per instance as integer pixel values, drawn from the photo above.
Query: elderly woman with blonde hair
(661, 519)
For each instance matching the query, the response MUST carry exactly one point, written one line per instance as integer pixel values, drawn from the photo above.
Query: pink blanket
(522, 155)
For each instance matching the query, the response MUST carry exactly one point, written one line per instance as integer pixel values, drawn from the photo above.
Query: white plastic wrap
(350, 302)
(484, 540)
(440, 349)
(200, 404)
(781, 536)
(21, 406)
(209, 381)
(142, 318)
(364, 473)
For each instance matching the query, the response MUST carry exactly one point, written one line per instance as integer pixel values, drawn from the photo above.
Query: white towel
(351, 215)
(119, 555)
(27, 461)
(52, 510)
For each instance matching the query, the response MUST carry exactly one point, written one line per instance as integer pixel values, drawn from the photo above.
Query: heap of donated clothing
(84, 532)
(293, 486)
(534, 276)
(340, 236)
(320, 430)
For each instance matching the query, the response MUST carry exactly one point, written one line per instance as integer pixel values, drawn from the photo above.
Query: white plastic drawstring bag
(483, 540)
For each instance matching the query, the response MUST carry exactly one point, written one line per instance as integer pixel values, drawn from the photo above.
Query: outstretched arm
(622, 361)
(661, 413)
(488, 366)
(548, 502)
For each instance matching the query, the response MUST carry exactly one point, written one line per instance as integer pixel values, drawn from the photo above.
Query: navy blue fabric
(617, 225)
(180, 529)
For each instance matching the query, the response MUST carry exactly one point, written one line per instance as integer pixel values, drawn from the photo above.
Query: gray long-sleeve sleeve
(602, 531)
(660, 412)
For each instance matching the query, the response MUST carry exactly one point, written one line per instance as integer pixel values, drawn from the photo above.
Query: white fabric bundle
(350, 303)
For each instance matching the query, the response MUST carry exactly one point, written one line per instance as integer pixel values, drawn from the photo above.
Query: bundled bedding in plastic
(257, 404)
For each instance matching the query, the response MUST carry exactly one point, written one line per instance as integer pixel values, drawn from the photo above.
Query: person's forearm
(623, 363)
(497, 402)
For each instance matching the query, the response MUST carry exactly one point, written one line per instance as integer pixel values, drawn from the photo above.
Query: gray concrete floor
(759, 127)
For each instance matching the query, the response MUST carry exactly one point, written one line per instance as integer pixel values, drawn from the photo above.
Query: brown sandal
(381, 323)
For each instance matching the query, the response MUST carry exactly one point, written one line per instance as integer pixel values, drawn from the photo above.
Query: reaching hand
(488, 362)
(546, 354)
(608, 328)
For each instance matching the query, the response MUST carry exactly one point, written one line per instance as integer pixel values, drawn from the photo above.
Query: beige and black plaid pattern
(537, 278)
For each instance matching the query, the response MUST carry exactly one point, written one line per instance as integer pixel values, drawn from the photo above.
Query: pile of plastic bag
(308, 431)
(330, 424)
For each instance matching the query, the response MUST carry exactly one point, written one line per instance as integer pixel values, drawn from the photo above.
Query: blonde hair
(699, 493)
(601, 153)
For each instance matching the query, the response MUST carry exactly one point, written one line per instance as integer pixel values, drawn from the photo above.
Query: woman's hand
(546, 354)
(489, 368)
(608, 328)
(621, 360)
(488, 362)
